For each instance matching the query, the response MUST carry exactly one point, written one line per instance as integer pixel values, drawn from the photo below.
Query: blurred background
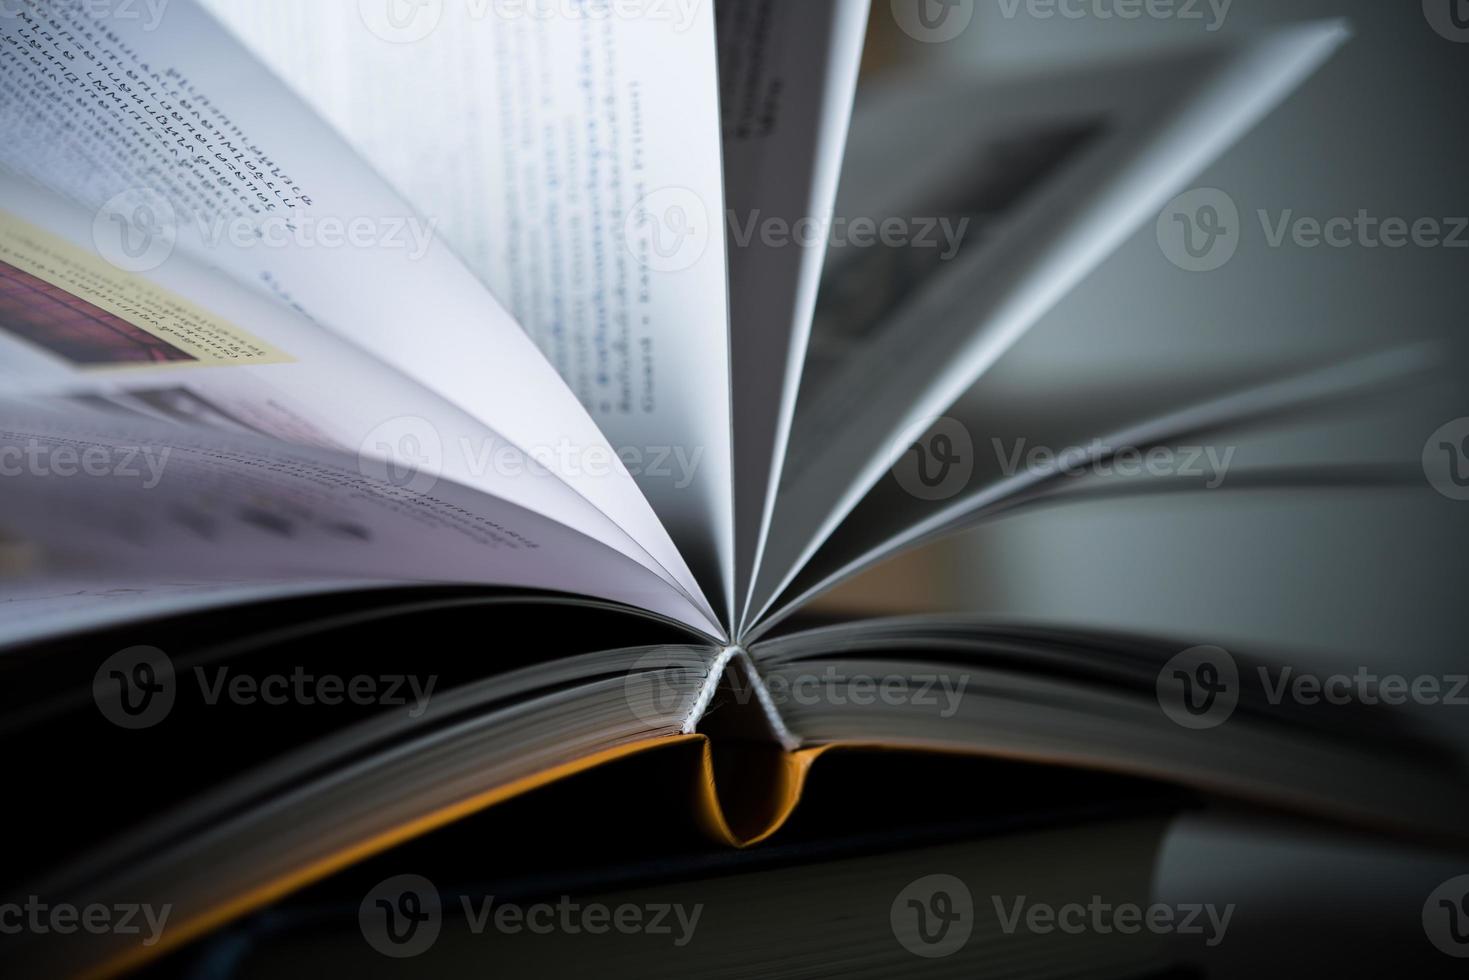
(1367, 576)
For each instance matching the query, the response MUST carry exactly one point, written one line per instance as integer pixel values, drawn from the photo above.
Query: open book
(311, 307)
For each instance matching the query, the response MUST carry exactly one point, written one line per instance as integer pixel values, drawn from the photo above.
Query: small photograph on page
(63, 298)
(73, 329)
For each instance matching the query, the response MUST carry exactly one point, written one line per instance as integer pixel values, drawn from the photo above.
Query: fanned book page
(788, 74)
(571, 154)
(182, 344)
(1048, 178)
(278, 202)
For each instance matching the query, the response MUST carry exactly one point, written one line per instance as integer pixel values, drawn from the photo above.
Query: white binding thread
(762, 694)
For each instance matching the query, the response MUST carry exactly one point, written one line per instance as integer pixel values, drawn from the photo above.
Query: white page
(1160, 125)
(239, 362)
(36, 609)
(164, 118)
(106, 496)
(1241, 410)
(788, 72)
(570, 152)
